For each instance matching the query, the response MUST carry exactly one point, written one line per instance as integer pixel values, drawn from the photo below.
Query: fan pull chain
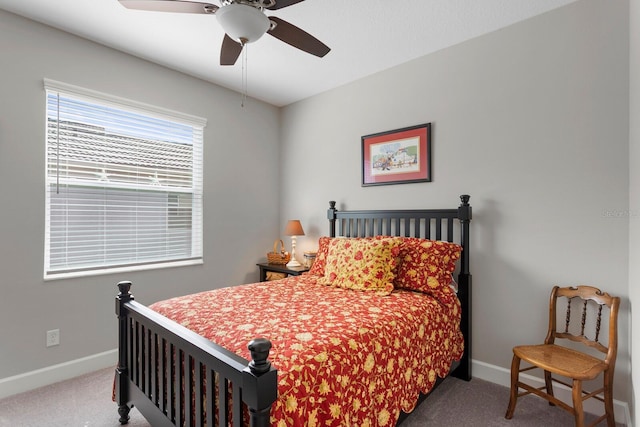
(244, 74)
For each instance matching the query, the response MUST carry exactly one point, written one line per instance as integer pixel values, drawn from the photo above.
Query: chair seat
(561, 360)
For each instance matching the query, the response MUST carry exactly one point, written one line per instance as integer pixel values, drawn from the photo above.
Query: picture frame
(399, 156)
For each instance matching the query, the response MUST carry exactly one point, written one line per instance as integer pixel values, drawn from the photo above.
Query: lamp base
(294, 263)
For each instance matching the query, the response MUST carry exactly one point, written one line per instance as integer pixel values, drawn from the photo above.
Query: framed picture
(398, 156)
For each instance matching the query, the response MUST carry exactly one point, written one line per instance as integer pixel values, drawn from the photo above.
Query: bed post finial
(331, 215)
(464, 210)
(260, 380)
(259, 349)
(124, 288)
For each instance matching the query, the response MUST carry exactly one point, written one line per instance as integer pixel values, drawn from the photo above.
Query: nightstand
(280, 268)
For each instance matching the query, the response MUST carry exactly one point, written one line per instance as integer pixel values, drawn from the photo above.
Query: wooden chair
(577, 365)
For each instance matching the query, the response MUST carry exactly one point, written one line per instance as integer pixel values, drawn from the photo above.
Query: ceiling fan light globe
(244, 24)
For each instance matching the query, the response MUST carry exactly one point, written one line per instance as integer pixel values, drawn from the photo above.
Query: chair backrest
(583, 318)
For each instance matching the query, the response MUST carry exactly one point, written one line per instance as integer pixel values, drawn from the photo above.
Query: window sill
(125, 269)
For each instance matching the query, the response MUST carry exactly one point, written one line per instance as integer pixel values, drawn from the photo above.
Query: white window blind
(124, 184)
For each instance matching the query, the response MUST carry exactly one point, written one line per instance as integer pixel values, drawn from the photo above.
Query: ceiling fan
(243, 21)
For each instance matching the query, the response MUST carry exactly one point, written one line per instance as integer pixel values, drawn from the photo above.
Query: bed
(180, 367)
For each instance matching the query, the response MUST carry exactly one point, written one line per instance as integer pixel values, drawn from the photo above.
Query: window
(124, 184)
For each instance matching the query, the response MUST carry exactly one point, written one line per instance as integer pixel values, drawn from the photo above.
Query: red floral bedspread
(344, 357)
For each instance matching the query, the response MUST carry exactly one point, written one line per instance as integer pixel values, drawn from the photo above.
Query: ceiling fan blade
(178, 6)
(297, 38)
(230, 51)
(283, 3)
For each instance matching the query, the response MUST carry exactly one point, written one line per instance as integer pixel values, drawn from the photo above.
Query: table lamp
(293, 229)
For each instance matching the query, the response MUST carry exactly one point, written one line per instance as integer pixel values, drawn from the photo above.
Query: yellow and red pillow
(361, 264)
(423, 265)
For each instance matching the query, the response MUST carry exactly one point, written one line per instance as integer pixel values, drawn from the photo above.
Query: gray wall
(241, 213)
(634, 199)
(532, 121)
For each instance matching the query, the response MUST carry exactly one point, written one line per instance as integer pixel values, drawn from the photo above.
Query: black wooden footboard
(171, 373)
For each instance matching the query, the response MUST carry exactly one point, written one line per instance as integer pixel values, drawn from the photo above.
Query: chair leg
(608, 398)
(549, 385)
(577, 403)
(513, 396)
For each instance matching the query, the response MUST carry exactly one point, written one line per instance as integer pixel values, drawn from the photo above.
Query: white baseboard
(53, 374)
(502, 376)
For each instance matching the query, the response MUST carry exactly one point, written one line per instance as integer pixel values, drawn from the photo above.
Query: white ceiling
(366, 36)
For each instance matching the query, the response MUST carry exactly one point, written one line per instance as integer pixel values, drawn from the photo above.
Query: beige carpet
(86, 402)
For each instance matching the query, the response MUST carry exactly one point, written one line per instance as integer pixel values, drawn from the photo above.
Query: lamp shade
(294, 228)
(244, 24)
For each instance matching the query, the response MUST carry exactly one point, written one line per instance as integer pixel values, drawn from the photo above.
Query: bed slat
(171, 390)
(211, 402)
(179, 388)
(223, 402)
(164, 379)
(152, 367)
(237, 407)
(188, 388)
